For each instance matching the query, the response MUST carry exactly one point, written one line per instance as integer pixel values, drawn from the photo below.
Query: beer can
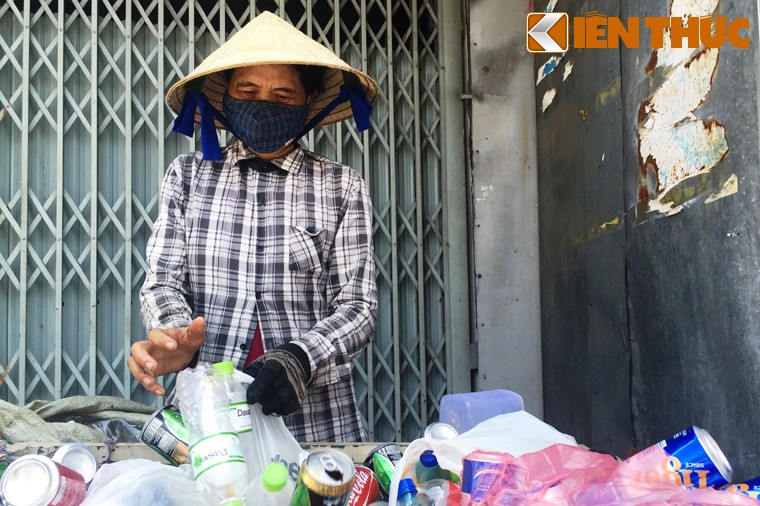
(440, 430)
(78, 457)
(326, 478)
(749, 488)
(37, 480)
(165, 432)
(365, 487)
(694, 458)
(391, 451)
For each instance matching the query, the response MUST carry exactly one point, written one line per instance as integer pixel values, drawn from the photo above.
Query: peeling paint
(608, 94)
(668, 56)
(664, 208)
(568, 69)
(548, 67)
(730, 187)
(550, 6)
(605, 228)
(673, 143)
(548, 99)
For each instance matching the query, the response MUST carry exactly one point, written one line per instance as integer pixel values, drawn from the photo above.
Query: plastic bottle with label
(270, 489)
(427, 469)
(215, 452)
(240, 411)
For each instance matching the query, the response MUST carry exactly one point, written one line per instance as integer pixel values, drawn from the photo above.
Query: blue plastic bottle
(407, 493)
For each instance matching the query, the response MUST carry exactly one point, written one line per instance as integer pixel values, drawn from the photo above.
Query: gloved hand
(281, 376)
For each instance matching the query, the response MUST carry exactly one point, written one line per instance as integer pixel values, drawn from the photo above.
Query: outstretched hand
(165, 351)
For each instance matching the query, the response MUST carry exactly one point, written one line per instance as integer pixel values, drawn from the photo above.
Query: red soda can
(37, 480)
(365, 487)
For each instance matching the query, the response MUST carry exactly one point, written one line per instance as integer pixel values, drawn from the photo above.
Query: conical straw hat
(267, 39)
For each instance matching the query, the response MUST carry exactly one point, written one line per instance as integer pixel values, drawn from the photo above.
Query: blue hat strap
(184, 123)
(360, 106)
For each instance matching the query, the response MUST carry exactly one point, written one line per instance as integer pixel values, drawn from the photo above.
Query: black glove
(281, 376)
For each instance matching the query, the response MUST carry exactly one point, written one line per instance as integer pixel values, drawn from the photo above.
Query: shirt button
(259, 248)
(242, 346)
(262, 200)
(258, 295)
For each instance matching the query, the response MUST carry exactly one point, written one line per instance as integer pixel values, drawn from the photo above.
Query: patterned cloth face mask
(264, 126)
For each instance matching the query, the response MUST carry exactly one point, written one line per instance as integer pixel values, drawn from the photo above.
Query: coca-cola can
(37, 480)
(365, 487)
(78, 457)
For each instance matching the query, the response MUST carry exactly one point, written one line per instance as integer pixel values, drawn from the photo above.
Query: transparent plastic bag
(141, 482)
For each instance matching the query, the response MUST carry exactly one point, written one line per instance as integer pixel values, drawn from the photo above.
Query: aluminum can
(165, 432)
(480, 471)
(749, 488)
(326, 478)
(694, 459)
(389, 450)
(78, 457)
(37, 480)
(365, 489)
(440, 430)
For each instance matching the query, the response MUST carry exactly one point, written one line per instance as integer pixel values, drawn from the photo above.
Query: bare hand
(165, 351)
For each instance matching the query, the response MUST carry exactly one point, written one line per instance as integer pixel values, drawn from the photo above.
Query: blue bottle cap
(428, 459)
(406, 486)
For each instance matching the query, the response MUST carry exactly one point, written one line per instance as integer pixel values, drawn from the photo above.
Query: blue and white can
(750, 488)
(694, 459)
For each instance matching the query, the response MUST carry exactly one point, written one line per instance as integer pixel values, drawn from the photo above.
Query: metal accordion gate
(85, 137)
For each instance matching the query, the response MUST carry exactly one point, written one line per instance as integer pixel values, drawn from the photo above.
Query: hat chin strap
(361, 108)
(184, 123)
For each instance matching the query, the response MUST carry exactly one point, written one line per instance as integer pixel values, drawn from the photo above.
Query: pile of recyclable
(224, 452)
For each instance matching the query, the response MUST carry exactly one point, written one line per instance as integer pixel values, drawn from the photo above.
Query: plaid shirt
(289, 250)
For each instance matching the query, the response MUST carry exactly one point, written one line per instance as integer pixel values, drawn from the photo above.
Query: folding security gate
(84, 140)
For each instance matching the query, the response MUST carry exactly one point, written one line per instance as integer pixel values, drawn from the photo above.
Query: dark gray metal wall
(650, 288)
(581, 207)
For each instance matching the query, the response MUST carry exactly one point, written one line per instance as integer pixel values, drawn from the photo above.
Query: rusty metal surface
(693, 261)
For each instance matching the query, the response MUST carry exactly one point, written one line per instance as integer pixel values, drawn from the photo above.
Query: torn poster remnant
(730, 187)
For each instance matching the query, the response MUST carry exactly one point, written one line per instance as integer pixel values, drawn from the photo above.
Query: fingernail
(171, 345)
(150, 365)
(147, 382)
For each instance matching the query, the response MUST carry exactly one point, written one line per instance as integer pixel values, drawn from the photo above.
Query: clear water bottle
(215, 454)
(271, 488)
(240, 412)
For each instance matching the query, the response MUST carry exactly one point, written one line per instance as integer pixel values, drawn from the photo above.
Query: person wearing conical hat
(262, 251)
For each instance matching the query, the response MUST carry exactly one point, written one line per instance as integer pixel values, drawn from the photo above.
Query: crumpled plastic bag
(562, 474)
(142, 482)
(514, 433)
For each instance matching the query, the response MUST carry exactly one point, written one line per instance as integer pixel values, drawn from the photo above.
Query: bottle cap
(232, 501)
(224, 367)
(406, 486)
(275, 477)
(428, 459)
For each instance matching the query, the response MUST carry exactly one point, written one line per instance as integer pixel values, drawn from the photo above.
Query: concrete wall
(506, 321)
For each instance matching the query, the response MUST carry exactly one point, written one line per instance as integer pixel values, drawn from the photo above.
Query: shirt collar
(290, 163)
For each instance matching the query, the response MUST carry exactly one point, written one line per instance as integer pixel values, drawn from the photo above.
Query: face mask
(263, 126)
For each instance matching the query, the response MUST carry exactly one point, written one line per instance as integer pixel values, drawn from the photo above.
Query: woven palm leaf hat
(268, 39)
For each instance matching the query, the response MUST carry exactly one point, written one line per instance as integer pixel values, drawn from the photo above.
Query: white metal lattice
(85, 136)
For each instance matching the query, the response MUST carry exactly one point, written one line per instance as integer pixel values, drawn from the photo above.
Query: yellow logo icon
(548, 32)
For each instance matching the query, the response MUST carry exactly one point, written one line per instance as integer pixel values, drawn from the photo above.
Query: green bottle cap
(275, 477)
(232, 501)
(224, 367)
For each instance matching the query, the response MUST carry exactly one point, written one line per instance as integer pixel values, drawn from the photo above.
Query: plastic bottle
(407, 493)
(270, 489)
(215, 453)
(427, 469)
(434, 492)
(240, 412)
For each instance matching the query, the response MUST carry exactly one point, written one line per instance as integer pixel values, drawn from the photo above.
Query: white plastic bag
(272, 442)
(141, 482)
(514, 433)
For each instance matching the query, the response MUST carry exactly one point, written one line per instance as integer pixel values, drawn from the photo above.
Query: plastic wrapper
(143, 482)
